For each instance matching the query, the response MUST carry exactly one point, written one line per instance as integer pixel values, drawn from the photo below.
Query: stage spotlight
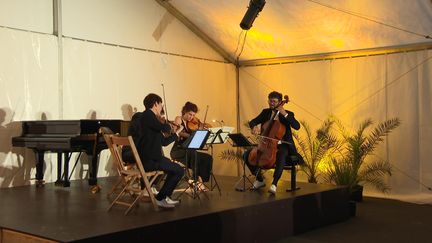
(255, 6)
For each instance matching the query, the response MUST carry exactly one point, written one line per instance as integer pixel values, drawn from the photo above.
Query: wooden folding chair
(132, 190)
(105, 131)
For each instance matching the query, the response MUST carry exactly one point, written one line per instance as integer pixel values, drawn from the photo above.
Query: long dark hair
(189, 106)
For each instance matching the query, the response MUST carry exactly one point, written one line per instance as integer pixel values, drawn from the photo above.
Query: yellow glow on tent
(256, 35)
(337, 43)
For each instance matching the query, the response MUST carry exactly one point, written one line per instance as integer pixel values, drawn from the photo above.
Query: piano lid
(63, 134)
(67, 127)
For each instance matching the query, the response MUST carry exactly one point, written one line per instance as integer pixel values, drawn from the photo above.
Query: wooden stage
(75, 214)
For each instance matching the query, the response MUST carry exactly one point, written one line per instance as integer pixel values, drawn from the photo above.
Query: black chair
(291, 165)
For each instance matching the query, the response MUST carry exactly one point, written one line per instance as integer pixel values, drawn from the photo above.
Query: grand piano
(65, 137)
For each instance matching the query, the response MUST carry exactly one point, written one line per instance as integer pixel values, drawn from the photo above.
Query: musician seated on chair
(147, 129)
(204, 161)
(284, 149)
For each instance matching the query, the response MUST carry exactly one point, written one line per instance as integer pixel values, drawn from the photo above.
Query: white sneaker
(272, 189)
(164, 204)
(172, 202)
(258, 184)
(153, 190)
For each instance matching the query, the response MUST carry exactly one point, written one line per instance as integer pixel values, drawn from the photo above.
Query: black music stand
(218, 137)
(239, 140)
(195, 142)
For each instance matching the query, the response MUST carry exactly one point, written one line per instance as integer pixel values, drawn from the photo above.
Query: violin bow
(165, 104)
(274, 139)
(205, 115)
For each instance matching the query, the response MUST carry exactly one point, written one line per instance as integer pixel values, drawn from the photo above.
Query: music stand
(194, 142)
(218, 135)
(239, 140)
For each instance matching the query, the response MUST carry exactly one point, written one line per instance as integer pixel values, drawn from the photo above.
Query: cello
(264, 155)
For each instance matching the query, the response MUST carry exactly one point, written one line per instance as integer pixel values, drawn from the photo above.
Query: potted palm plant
(315, 148)
(350, 167)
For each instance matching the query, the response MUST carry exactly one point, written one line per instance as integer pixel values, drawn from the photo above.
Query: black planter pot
(357, 193)
(352, 208)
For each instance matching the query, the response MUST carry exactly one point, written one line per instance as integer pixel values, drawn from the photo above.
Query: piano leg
(39, 168)
(94, 187)
(59, 181)
(66, 182)
(93, 169)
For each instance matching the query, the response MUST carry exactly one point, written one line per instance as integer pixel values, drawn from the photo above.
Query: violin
(196, 124)
(264, 155)
(172, 124)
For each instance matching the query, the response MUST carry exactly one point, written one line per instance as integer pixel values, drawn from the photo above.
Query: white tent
(73, 59)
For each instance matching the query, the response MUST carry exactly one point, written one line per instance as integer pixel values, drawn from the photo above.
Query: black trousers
(282, 158)
(173, 171)
(204, 161)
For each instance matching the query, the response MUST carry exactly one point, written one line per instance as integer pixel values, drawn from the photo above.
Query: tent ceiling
(288, 28)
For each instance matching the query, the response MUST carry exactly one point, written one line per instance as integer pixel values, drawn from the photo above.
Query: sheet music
(221, 134)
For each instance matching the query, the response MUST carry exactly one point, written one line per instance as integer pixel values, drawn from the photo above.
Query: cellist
(284, 149)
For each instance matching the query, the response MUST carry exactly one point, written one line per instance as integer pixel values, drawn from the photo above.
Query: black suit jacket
(289, 122)
(146, 131)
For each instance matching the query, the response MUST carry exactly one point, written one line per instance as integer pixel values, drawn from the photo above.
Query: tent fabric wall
(354, 89)
(110, 62)
(298, 27)
(27, 15)
(114, 53)
(135, 23)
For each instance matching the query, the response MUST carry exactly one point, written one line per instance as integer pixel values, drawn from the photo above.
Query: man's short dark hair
(151, 99)
(275, 95)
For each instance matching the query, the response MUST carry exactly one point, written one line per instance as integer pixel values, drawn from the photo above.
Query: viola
(264, 155)
(173, 125)
(196, 124)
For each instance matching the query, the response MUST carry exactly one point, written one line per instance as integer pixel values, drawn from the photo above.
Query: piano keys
(65, 137)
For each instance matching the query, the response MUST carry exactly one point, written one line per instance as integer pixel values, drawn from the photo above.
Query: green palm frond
(342, 130)
(324, 131)
(231, 155)
(378, 134)
(378, 183)
(341, 173)
(376, 169)
(350, 168)
(363, 126)
(315, 147)
(302, 145)
(307, 131)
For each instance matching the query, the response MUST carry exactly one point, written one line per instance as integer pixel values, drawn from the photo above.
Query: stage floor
(75, 214)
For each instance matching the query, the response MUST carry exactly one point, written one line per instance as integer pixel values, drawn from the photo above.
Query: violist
(146, 130)
(204, 161)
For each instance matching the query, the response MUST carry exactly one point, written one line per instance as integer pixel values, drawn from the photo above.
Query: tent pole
(238, 107)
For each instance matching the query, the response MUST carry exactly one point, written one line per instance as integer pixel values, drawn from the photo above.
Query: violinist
(287, 119)
(204, 161)
(146, 129)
